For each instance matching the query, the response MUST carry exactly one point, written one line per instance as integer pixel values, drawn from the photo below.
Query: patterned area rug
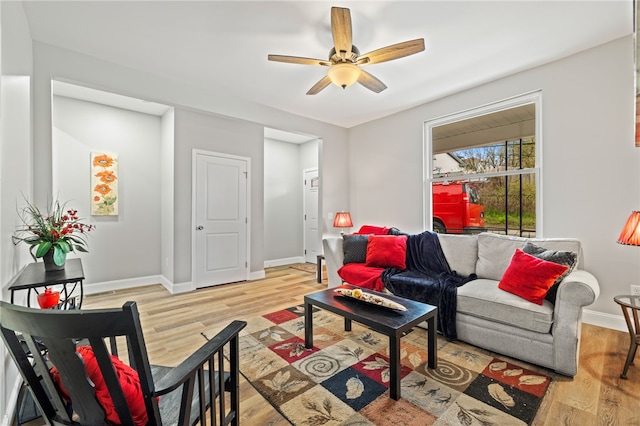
(344, 379)
(306, 267)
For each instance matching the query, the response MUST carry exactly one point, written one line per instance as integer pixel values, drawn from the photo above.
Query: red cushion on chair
(387, 251)
(129, 381)
(362, 276)
(530, 277)
(375, 230)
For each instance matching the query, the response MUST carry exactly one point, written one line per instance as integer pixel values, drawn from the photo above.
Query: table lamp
(342, 220)
(630, 234)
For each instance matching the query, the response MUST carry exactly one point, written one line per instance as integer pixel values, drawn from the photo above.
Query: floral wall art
(104, 184)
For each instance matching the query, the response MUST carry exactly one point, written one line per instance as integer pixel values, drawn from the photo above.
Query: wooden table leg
(394, 367)
(634, 337)
(347, 324)
(319, 268)
(308, 325)
(432, 342)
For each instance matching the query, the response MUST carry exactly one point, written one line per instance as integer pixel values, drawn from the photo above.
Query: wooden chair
(172, 396)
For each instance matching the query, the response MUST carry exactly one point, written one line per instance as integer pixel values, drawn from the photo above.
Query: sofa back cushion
(562, 257)
(495, 251)
(461, 252)
(355, 248)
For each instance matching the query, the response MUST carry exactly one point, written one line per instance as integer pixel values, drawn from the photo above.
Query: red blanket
(362, 276)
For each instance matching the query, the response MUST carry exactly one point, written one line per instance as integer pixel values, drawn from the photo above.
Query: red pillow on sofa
(530, 277)
(370, 229)
(387, 251)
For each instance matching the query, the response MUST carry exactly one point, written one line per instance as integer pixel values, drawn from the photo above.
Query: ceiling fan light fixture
(344, 74)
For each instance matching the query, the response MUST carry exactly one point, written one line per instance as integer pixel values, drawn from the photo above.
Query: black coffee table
(390, 322)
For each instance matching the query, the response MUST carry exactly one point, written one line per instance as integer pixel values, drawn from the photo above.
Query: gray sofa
(488, 317)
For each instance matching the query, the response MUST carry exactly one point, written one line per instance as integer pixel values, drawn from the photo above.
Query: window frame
(535, 98)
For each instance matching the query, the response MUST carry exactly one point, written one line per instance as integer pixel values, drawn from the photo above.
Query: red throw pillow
(387, 251)
(370, 229)
(129, 381)
(530, 277)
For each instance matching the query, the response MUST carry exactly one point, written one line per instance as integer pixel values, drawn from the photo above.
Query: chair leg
(234, 368)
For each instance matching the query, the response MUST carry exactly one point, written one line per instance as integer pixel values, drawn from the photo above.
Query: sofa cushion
(387, 251)
(354, 247)
(483, 299)
(530, 277)
(461, 252)
(567, 258)
(495, 251)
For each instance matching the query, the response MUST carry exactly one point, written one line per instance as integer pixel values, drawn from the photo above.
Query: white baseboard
(173, 288)
(283, 261)
(106, 286)
(615, 322)
(257, 275)
(177, 288)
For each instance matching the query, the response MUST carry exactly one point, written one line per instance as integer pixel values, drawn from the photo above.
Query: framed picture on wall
(104, 184)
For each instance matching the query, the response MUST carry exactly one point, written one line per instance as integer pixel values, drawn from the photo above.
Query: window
(482, 169)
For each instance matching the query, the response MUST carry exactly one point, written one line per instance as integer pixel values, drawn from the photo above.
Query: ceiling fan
(345, 58)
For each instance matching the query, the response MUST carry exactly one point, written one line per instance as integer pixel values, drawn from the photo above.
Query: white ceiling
(224, 45)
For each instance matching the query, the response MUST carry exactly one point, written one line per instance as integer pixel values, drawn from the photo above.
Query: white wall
(283, 208)
(167, 195)
(208, 129)
(587, 126)
(16, 66)
(283, 198)
(309, 154)
(198, 130)
(126, 245)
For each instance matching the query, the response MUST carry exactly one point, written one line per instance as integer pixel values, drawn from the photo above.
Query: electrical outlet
(635, 290)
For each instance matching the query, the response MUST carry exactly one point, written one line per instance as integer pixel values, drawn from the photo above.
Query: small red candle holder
(48, 298)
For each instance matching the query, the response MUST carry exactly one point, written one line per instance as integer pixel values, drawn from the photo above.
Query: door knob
(199, 227)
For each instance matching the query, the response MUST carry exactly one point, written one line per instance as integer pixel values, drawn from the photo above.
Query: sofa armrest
(333, 257)
(583, 292)
(578, 289)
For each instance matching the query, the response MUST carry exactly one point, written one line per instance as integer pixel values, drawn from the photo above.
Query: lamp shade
(342, 220)
(344, 74)
(630, 234)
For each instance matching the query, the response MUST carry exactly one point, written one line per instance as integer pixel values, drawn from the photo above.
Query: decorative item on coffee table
(51, 234)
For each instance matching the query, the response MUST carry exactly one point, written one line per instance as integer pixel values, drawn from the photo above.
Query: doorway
(287, 158)
(311, 220)
(221, 224)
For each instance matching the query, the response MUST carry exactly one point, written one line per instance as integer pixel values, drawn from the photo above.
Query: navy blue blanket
(428, 279)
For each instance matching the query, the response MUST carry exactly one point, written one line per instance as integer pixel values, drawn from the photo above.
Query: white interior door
(311, 222)
(221, 221)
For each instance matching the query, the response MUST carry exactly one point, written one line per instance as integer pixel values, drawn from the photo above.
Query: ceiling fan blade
(298, 60)
(324, 82)
(392, 52)
(371, 82)
(341, 29)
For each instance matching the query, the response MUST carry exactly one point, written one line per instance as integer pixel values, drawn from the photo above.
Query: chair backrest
(38, 339)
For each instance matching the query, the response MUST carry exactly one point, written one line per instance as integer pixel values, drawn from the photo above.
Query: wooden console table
(34, 277)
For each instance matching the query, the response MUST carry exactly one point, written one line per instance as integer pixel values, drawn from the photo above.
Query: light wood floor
(174, 326)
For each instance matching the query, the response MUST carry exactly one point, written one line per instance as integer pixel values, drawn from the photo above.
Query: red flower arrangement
(59, 229)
